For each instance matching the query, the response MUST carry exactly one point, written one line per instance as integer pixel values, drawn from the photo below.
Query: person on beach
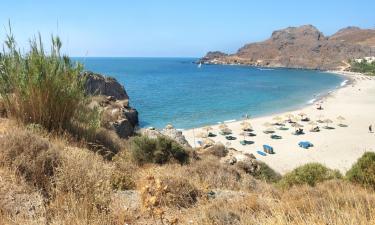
(370, 128)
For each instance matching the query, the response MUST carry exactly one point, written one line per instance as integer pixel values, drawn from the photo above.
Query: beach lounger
(251, 134)
(268, 149)
(224, 133)
(275, 136)
(298, 132)
(283, 128)
(315, 129)
(306, 119)
(268, 131)
(211, 135)
(261, 153)
(305, 144)
(230, 138)
(245, 142)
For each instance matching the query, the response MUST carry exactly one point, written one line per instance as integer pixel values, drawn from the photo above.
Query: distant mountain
(302, 47)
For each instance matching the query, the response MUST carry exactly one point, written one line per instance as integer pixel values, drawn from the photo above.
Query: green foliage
(363, 67)
(42, 88)
(159, 150)
(363, 171)
(311, 174)
(266, 173)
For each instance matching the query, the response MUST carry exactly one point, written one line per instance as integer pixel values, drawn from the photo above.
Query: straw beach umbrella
(223, 126)
(341, 119)
(327, 121)
(302, 114)
(169, 126)
(247, 127)
(297, 125)
(267, 124)
(202, 135)
(209, 141)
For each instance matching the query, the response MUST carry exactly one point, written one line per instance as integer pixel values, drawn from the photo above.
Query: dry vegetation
(44, 180)
(54, 173)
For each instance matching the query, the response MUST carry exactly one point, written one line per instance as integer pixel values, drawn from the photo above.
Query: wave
(265, 69)
(311, 101)
(345, 82)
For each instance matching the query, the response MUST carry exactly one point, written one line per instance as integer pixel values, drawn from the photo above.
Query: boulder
(171, 133)
(112, 99)
(218, 150)
(176, 135)
(97, 84)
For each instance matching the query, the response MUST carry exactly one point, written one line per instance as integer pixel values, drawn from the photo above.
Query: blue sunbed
(261, 153)
(305, 144)
(268, 149)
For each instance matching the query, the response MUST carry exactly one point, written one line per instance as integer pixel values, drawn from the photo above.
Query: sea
(177, 91)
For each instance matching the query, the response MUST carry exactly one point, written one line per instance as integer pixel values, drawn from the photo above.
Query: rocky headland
(302, 47)
(111, 97)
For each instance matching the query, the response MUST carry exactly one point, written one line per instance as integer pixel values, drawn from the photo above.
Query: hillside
(302, 47)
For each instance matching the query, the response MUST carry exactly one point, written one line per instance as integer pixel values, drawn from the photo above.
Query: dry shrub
(330, 202)
(32, 157)
(209, 173)
(19, 202)
(85, 175)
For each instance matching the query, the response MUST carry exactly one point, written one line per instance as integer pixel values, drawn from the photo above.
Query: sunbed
(275, 136)
(261, 153)
(268, 149)
(305, 144)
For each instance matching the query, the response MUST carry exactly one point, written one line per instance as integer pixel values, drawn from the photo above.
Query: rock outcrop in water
(302, 47)
(111, 96)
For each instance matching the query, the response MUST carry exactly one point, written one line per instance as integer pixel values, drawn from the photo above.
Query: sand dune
(338, 148)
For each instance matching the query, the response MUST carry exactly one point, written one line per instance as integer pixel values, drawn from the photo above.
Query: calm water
(174, 90)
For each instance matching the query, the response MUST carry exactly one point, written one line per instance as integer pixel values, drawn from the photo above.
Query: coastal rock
(97, 84)
(218, 150)
(171, 133)
(302, 47)
(110, 96)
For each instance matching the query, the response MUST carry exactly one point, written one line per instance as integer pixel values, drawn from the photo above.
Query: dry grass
(70, 185)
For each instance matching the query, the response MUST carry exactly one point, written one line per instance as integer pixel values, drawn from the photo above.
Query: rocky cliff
(111, 97)
(302, 47)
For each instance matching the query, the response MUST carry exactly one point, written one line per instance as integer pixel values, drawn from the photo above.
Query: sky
(161, 28)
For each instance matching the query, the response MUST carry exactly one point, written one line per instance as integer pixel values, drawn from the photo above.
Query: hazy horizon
(172, 29)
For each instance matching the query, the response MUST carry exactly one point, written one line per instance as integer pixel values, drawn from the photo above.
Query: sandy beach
(336, 148)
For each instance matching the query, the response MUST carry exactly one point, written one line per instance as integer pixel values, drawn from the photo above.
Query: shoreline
(335, 103)
(316, 98)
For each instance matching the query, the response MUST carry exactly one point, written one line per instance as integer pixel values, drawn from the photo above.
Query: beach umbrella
(328, 121)
(201, 135)
(320, 117)
(245, 123)
(169, 126)
(223, 126)
(341, 119)
(269, 130)
(267, 124)
(243, 134)
(226, 130)
(247, 127)
(207, 129)
(297, 125)
(289, 116)
(302, 114)
(312, 123)
(208, 141)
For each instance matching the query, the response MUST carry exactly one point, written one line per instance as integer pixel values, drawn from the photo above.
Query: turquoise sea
(177, 91)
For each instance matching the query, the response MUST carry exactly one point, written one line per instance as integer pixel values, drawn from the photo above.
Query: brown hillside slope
(302, 47)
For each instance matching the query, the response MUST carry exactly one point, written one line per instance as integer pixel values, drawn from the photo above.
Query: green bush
(363, 67)
(42, 88)
(266, 173)
(159, 150)
(311, 174)
(363, 171)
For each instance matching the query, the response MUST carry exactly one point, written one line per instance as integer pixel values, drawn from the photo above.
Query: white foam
(344, 83)
(229, 121)
(311, 101)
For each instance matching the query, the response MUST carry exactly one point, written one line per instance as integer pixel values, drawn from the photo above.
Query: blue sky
(172, 28)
